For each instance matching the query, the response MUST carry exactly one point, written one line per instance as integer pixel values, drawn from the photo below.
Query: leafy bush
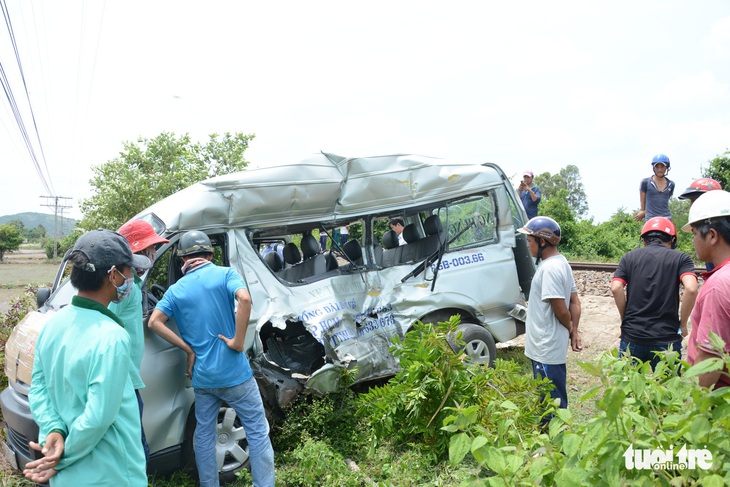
(434, 381)
(330, 418)
(637, 408)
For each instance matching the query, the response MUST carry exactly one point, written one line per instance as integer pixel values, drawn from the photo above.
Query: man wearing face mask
(143, 240)
(81, 393)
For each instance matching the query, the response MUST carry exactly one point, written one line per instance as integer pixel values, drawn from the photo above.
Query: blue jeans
(245, 399)
(646, 353)
(558, 376)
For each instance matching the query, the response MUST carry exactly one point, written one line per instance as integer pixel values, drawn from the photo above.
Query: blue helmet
(542, 227)
(660, 158)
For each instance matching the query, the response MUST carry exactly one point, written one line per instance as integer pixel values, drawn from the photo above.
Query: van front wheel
(231, 445)
(479, 344)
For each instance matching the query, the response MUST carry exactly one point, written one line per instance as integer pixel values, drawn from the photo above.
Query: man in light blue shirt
(81, 393)
(211, 306)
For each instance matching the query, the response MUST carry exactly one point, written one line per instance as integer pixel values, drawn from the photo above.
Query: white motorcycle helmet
(711, 204)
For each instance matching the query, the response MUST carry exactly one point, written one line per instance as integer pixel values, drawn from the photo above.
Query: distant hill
(32, 220)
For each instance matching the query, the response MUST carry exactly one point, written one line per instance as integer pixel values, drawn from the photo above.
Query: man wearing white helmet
(709, 222)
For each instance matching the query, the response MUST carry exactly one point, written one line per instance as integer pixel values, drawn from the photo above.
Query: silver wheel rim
(228, 452)
(478, 352)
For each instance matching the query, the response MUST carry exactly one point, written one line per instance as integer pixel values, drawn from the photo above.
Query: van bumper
(20, 429)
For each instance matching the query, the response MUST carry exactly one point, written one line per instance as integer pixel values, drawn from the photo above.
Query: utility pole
(53, 202)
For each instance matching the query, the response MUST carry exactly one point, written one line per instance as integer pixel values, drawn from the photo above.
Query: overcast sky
(527, 85)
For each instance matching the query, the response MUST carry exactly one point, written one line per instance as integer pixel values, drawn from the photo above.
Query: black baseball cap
(104, 249)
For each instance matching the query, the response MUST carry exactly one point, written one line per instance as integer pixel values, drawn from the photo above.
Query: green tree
(719, 169)
(558, 208)
(618, 235)
(680, 217)
(38, 233)
(568, 179)
(10, 239)
(151, 169)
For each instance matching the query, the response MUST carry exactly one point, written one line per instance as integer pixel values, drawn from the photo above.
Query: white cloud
(718, 42)
(690, 89)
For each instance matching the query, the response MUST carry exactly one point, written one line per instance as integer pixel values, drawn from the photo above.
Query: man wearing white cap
(530, 194)
(709, 222)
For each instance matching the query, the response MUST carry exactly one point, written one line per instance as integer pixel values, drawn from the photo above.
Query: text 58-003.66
(459, 261)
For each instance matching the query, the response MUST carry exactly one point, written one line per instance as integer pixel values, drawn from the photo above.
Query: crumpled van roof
(323, 187)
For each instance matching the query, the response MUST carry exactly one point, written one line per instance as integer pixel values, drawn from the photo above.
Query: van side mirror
(42, 295)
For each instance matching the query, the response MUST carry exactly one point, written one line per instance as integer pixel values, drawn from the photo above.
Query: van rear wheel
(478, 345)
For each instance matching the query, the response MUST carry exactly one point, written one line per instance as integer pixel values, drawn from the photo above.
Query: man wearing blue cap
(81, 393)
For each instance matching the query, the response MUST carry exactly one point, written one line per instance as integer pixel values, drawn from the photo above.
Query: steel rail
(608, 267)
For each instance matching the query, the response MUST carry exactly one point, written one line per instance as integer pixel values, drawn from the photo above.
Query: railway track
(606, 267)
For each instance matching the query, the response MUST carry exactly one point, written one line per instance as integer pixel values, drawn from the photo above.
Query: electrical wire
(45, 178)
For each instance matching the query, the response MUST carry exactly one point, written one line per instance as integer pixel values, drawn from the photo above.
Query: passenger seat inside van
(353, 251)
(410, 249)
(274, 261)
(391, 249)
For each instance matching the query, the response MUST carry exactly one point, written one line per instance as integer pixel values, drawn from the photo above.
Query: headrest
(352, 249)
(274, 261)
(310, 246)
(331, 260)
(410, 233)
(390, 240)
(291, 254)
(432, 225)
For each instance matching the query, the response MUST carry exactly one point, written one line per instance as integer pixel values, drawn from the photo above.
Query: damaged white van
(331, 282)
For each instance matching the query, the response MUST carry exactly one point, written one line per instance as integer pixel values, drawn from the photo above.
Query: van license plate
(10, 455)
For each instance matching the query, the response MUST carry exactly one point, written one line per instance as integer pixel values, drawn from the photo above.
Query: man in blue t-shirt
(213, 331)
(530, 194)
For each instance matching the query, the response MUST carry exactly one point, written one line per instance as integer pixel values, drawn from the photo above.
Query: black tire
(479, 344)
(230, 443)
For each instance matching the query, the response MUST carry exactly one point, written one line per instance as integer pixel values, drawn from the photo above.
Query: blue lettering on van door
(453, 262)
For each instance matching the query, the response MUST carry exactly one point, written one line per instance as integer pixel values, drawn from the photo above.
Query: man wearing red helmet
(646, 290)
(695, 190)
(143, 240)
(699, 187)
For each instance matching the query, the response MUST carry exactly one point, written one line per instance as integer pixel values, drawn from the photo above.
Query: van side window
(471, 222)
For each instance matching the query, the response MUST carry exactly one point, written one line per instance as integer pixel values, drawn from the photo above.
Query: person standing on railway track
(554, 309)
(645, 288)
(655, 191)
(709, 222)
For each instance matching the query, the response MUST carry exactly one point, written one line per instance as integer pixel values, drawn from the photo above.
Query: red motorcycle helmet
(698, 187)
(661, 225)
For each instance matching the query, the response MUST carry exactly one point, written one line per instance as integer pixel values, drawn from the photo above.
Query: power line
(16, 111)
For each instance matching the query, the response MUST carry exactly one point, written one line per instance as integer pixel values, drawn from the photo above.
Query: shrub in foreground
(658, 416)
